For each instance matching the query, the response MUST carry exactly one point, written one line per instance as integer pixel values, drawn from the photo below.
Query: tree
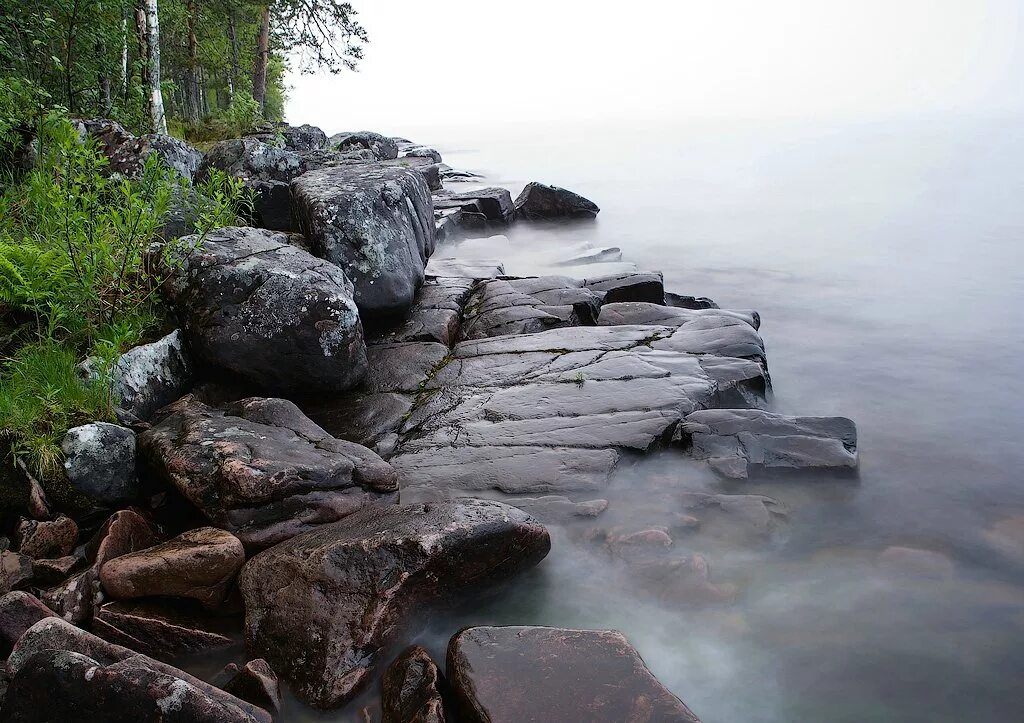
(157, 117)
(323, 34)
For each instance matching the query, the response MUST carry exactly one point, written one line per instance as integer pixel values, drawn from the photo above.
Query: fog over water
(856, 176)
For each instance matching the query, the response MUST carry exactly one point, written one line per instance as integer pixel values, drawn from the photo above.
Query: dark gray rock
(459, 176)
(261, 469)
(435, 314)
(254, 304)
(540, 201)
(376, 223)
(689, 302)
(162, 630)
(255, 682)
(639, 312)
(294, 138)
(416, 151)
(18, 612)
(99, 460)
(147, 376)
(266, 169)
(176, 154)
(109, 134)
(526, 306)
(512, 674)
(62, 673)
(494, 203)
(322, 606)
(734, 440)
(412, 689)
(383, 148)
(647, 287)
(475, 269)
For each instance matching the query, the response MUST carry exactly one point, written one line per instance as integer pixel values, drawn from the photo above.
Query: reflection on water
(885, 260)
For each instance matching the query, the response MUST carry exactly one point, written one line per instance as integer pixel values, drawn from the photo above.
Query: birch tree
(158, 119)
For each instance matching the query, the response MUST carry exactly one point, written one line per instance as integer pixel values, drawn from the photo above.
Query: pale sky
(480, 61)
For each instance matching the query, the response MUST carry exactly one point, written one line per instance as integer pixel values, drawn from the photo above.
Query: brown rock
(322, 606)
(47, 539)
(15, 569)
(411, 689)
(199, 564)
(51, 572)
(255, 682)
(514, 674)
(18, 612)
(163, 630)
(76, 598)
(124, 531)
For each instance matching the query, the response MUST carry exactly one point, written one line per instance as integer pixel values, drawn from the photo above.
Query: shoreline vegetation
(253, 399)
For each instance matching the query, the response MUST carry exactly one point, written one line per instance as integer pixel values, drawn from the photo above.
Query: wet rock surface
(62, 673)
(254, 304)
(256, 683)
(321, 606)
(99, 460)
(262, 469)
(374, 222)
(199, 564)
(526, 306)
(531, 673)
(734, 440)
(539, 201)
(412, 689)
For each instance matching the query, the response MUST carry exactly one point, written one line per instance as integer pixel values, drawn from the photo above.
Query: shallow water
(885, 260)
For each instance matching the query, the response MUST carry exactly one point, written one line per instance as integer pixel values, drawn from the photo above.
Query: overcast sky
(479, 61)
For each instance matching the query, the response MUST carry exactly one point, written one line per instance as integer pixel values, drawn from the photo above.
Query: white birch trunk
(156, 98)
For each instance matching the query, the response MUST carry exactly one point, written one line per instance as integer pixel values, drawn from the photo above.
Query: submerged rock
(61, 673)
(321, 606)
(262, 469)
(99, 460)
(376, 223)
(254, 304)
(199, 564)
(513, 674)
(734, 440)
(412, 689)
(539, 201)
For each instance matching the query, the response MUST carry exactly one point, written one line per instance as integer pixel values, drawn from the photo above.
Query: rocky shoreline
(352, 424)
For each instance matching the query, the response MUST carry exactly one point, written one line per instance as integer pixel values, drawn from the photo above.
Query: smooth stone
(436, 314)
(198, 564)
(322, 606)
(540, 201)
(512, 674)
(412, 689)
(638, 312)
(254, 304)
(556, 508)
(99, 459)
(48, 572)
(261, 469)
(682, 301)
(18, 612)
(737, 517)
(527, 306)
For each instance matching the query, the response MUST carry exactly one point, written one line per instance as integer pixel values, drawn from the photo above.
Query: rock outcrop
(435, 315)
(261, 469)
(199, 564)
(540, 201)
(735, 440)
(512, 674)
(321, 606)
(253, 303)
(376, 223)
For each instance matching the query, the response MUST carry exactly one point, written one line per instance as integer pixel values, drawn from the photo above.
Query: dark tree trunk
(192, 104)
(259, 75)
(235, 70)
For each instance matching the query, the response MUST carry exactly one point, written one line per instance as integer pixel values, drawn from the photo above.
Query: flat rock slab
(529, 305)
(640, 312)
(514, 674)
(261, 469)
(321, 606)
(549, 412)
(435, 314)
(494, 203)
(62, 673)
(198, 564)
(735, 440)
(376, 223)
(470, 269)
(254, 304)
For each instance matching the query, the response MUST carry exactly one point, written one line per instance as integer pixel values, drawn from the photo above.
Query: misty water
(885, 260)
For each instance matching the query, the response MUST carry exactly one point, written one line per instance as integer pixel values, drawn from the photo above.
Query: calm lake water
(885, 259)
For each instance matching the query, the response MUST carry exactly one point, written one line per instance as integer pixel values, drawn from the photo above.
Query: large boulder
(513, 674)
(61, 673)
(376, 223)
(147, 377)
(130, 157)
(293, 138)
(322, 606)
(200, 564)
(261, 469)
(735, 440)
(254, 304)
(266, 169)
(99, 459)
(382, 147)
(411, 689)
(538, 201)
